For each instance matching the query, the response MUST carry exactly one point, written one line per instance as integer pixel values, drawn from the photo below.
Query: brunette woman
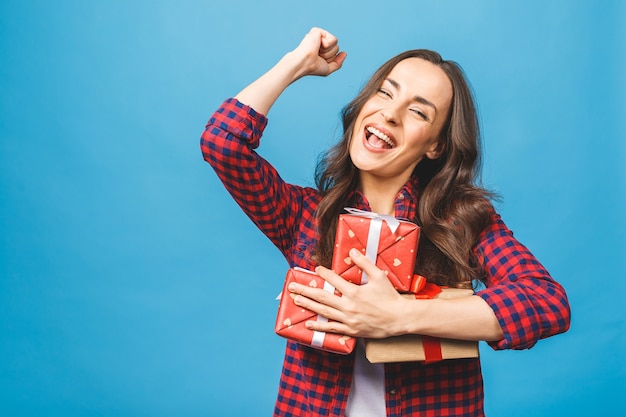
(410, 148)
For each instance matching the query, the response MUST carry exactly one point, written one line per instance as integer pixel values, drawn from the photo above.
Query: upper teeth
(380, 135)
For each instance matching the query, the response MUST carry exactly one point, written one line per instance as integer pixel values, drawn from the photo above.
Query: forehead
(418, 77)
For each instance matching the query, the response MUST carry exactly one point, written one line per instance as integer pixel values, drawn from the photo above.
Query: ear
(436, 149)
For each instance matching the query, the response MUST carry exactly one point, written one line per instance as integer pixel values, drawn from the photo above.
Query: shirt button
(400, 196)
(393, 391)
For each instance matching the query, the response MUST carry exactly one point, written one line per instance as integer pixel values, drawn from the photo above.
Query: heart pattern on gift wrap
(343, 339)
(291, 319)
(395, 248)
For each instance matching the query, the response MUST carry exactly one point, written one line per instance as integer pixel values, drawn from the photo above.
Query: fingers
(329, 54)
(317, 295)
(337, 62)
(326, 47)
(335, 280)
(365, 264)
(329, 51)
(320, 301)
(324, 304)
(360, 311)
(328, 40)
(341, 285)
(329, 46)
(330, 327)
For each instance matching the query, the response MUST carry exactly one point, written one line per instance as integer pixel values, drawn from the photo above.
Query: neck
(381, 193)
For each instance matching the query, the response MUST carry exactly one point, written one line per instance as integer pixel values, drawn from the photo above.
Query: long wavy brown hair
(452, 209)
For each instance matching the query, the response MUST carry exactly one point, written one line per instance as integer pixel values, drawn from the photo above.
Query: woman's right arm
(235, 129)
(317, 54)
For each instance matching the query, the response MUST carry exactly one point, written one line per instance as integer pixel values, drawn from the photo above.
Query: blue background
(131, 284)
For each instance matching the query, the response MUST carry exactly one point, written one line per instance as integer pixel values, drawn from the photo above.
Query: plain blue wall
(131, 284)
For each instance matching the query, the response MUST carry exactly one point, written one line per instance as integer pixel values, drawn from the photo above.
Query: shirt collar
(405, 204)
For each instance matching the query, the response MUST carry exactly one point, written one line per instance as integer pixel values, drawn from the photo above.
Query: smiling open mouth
(378, 139)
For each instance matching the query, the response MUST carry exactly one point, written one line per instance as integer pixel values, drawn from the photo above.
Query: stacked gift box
(391, 244)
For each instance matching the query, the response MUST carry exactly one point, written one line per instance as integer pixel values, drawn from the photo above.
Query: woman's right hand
(318, 54)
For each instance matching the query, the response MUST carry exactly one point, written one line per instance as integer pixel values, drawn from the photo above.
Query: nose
(390, 114)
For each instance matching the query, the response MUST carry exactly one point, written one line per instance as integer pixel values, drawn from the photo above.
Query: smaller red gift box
(291, 318)
(390, 241)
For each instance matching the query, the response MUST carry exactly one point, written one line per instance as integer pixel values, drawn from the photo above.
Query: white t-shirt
(367, 392)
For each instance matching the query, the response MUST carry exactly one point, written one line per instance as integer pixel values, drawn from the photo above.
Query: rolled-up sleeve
(529, 304)
(228, 144)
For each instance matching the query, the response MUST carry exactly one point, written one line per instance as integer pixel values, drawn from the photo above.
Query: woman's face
(401, 123)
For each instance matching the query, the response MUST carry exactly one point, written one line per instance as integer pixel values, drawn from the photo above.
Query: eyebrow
(419, 99)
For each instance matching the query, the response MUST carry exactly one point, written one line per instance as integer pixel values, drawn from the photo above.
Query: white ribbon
(318, 337)
(391, 221)
(373, 234)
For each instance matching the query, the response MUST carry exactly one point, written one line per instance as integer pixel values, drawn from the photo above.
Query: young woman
(410, 148)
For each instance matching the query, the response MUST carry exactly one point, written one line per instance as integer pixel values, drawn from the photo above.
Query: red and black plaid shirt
(528, 303)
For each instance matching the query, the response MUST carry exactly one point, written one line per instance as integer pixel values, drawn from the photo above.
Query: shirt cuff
(240, 120)
(495, 298)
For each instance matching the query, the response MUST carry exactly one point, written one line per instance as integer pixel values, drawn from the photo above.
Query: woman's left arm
(528, 303)
(377, 310)
(520, 305)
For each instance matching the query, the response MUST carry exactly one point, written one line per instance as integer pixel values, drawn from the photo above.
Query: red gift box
(291, 318)
(389, 242)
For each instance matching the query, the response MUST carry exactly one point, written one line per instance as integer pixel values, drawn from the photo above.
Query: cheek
(417, 135)
(423, 132)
